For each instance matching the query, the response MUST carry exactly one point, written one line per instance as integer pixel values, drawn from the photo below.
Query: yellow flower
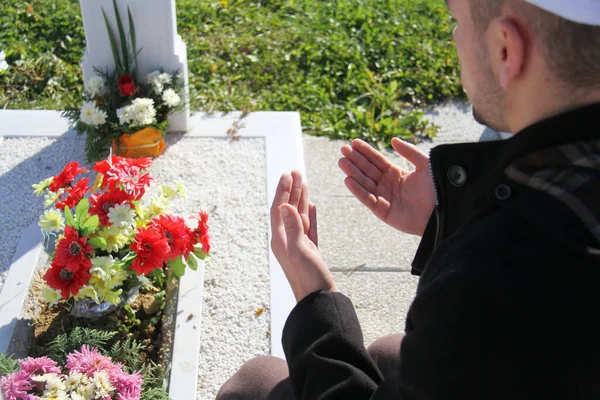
(51, 296)
(168, 192)
(115, 239)
(50, 198)
(159, 205)
(97, 183)
(40, 187)
(52, 220)
(109, 274)
(113, 297)
(181, 189)
(88, 291)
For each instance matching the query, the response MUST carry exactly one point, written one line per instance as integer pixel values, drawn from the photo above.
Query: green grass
(352, 68)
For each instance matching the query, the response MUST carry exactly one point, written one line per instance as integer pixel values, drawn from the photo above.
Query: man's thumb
(292, 222)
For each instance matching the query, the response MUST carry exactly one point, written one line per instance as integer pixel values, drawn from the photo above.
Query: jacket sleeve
(473, 337)
(323, 344)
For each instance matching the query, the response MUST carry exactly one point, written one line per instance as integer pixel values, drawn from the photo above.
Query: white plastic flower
(3, 63)
(91, 115)
(95, 86)
(153, 80)
(52, 221)
(171, 98)
(143, 111)
(102, 385)
(164, 78)
(50, 295)
(121, 215)
(125, 115)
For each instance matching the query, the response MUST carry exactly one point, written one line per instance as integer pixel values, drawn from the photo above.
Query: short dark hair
(571, 50)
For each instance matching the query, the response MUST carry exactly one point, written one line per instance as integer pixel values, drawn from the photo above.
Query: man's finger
(353, 172)
(371, 154)
(312, 232)
(363, 195)
(411, 152)
(294, 231)
(303, 207)
(364, 164)
(296, 191)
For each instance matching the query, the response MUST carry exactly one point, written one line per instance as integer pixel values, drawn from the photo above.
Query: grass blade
(113, 45)
(133, 43)
(122, 37)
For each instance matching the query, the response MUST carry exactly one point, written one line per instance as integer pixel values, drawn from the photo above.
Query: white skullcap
(581, 11)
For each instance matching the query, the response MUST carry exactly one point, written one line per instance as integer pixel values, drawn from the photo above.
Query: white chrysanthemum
(153, 80)
(3, 63)
(125, 115)
(50, 295)
(99, 118)
(52, 221)
(40, 187)
(53, 382)
(88, 114)
(143, 111)
(95, 86)
(102, 385)
(164, 78)
(171, 98)
(121, 215)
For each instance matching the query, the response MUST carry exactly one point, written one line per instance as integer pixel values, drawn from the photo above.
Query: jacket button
(503, 192)
(457, 175)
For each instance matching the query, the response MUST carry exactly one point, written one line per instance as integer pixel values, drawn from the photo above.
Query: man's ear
(507, 50)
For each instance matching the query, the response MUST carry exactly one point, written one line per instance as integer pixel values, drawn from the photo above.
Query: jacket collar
(472, 177)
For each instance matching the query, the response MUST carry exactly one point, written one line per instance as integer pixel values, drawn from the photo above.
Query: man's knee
(255, 379)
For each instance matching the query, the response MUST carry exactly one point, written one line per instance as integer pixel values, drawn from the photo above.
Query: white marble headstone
(156, 35)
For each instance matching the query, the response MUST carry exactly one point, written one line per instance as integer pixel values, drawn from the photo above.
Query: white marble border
(284, 151)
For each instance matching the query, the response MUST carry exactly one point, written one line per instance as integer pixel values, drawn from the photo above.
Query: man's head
(517, 58)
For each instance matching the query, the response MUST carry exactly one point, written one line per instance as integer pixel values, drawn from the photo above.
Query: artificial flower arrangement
(87, 375)
(109, 234)
(123, 111)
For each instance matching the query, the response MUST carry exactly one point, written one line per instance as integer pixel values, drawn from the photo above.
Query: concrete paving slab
(381, 300)
(350, 235)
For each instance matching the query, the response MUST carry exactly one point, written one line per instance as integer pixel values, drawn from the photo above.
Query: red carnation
(128, 174)
(101, 203)
(151, 248)
(127, 85)
(74, 194)
(71, 251)
(66, 176)
(177, 234)
(68, 282)
(201, 232)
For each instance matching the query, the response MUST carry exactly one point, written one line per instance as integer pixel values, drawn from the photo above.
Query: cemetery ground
(350, 68)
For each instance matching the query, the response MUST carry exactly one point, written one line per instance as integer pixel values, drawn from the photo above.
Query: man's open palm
(400, 198)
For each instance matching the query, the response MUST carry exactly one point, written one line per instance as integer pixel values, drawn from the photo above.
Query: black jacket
(508, 303)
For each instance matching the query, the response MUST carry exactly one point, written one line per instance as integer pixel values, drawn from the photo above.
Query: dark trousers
(267, 377)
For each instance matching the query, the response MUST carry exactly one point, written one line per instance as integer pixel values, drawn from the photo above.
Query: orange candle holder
(148, 142)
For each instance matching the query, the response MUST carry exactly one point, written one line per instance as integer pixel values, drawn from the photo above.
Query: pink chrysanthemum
(39, 366)
(129, 386)
(15, 386)
(89, 360)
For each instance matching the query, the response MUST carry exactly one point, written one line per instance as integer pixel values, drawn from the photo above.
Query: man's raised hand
(400, 198)
(294, 238)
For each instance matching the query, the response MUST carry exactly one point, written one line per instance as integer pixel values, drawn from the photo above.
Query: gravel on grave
(228, 179)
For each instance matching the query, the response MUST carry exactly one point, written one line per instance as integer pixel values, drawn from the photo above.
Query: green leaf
(69, 218)
(192, 263)
(122, 37)
(90, 225)
(200, 254)
(97, 242)
(178, 267)
(81, 211)
(133, 43)
(113, 45)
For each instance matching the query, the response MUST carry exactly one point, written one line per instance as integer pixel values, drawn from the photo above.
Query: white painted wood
(156, 35)
(186, 346)
(15, 289)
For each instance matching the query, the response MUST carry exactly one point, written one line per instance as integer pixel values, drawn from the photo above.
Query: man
(508, 305)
